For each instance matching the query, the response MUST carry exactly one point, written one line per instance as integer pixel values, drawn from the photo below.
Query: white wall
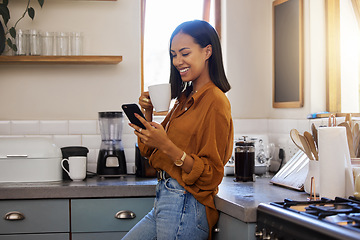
(248, 56)
(61, 101)
(247, 45)
(76, 91)
(113, 28)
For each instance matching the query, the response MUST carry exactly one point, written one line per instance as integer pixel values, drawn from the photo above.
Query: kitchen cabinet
(100, 218)
(229, 227)
(34, 219)
(107, 218)
(60, 59)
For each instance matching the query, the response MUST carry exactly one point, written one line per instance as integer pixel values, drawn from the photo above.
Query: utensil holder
(314, 171)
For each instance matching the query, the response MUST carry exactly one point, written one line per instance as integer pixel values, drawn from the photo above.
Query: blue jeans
(176, 215)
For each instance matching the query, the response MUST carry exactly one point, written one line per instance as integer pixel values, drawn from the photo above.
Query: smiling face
(190, 59)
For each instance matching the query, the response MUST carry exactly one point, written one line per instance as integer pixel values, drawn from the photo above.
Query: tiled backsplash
(72, 133)
(86, 133)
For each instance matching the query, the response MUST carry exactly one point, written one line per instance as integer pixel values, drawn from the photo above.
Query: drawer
(53, 236)
(40, 216)
(97, 236)
(98, 215)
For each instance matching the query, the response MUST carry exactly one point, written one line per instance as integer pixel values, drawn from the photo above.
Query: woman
(193, 143)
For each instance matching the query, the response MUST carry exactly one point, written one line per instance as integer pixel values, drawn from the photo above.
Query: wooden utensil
(356, 145)
(294, 134)
(311, 142)
(348, 119)
(349, 138)
(306, 147)
(332, 121)
(355, 133)
(314, 134)
(356, 139)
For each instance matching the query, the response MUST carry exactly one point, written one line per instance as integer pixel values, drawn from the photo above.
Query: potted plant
(8, 33)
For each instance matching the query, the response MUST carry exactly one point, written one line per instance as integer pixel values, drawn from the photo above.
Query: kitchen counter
(241, 199)
(128, 186)
(237, 199)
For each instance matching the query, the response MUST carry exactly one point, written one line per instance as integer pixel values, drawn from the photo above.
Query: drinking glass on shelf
(22, 42)
(47, 43)
(270, 154)
(62, 42)
(76, 43)
(34, 43)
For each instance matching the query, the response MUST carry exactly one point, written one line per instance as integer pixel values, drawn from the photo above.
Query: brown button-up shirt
(203, 128)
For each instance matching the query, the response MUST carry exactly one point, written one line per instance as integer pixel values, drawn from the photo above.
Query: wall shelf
(60, 59)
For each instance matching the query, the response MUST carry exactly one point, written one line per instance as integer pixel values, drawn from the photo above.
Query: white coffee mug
(160, 95)
(77, 167)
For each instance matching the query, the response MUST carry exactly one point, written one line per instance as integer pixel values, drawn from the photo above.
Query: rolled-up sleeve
(214, 135)
(197, 170)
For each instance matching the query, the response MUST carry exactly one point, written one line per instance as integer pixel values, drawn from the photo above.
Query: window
(343, 19)
(159, 20)
(349, 52)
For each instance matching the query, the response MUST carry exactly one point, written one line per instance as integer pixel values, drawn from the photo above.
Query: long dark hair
(203, 34)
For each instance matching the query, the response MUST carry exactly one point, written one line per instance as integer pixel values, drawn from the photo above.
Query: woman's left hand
(153, 136)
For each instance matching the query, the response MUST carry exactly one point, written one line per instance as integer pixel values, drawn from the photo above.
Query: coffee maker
(111, 160)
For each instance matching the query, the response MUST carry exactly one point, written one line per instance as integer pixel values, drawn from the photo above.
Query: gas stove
(307, 220)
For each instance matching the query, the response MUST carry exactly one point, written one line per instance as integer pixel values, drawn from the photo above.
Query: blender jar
(111, 159)
(111, 124)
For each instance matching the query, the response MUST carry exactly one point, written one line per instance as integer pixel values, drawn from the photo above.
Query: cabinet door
(55, 236)
(98, 215)
(231, 228)
(39, 216)
(97, 236)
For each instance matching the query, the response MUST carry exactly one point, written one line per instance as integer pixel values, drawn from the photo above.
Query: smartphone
(130, 110)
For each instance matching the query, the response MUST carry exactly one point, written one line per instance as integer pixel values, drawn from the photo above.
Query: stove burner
(355, 217)
(305, 220)
(330, 209)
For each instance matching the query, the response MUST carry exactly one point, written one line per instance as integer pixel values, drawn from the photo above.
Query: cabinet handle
(14, 216)
(125, 214)
(17, 156)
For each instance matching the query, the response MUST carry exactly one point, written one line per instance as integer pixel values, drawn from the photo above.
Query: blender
(111, 160)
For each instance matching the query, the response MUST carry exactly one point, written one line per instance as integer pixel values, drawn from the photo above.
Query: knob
(266, 237)
(258, 234)
(216, 230)
(125, 214)
(14, 216)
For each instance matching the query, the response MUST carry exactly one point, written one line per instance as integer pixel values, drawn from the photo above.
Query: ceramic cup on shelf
(77, 167)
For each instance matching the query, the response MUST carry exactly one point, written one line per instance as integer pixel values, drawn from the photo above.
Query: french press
(244, 160)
